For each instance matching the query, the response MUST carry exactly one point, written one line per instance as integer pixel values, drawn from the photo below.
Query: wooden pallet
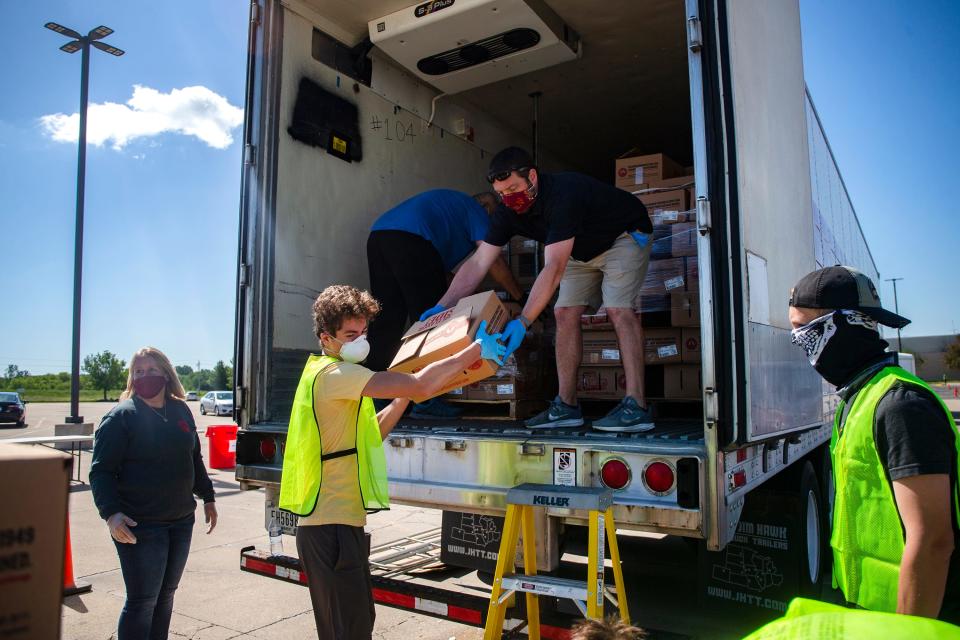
(513, 409)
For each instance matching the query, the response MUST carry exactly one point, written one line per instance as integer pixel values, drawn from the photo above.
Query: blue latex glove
(513, 335)
(490, 347)
(432, 311)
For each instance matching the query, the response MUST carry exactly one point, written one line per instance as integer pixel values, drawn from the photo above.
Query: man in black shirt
(895, 454)
(597, 250)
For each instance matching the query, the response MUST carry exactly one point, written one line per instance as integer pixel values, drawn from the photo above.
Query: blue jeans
(151, 572)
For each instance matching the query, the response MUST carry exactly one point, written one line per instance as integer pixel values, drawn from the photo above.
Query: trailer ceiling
(630, 88)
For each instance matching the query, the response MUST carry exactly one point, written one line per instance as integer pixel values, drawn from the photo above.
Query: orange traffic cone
(71, 587)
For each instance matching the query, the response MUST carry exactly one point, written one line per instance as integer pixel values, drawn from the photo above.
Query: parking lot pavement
(216, 600)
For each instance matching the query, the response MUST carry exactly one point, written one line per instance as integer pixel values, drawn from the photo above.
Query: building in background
(929, 352)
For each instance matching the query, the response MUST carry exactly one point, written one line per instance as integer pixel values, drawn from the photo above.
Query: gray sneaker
(626, 417)
(558, 414)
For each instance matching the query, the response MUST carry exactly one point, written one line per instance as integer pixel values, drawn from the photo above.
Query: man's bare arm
(924, 504)
(470, 274)
(555, 263)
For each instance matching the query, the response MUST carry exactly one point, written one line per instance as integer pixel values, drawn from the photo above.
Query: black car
(12, 409)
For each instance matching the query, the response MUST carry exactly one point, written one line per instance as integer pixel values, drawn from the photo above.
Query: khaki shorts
(614, 277)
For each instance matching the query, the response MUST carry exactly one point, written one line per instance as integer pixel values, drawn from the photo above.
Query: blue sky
(161, 210)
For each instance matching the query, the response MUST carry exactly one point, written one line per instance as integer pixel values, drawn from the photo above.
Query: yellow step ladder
(587, 595)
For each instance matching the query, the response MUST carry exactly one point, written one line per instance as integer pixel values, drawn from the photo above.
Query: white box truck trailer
(716, 84)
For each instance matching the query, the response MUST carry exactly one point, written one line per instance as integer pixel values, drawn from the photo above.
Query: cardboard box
(664, 276)
(601, 382)
(665, 207)
(524, 267)
(505, 388)
(682, 381)
(679, 182)
(662, 346)
(690, 351)
(33, 522)
(632, 172)
(691, 268)
(601, 348)
(683, 239)
(519, 244)
(685, 309)
(447, 333)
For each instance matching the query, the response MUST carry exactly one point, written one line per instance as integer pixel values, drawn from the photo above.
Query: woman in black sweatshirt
(145, 472)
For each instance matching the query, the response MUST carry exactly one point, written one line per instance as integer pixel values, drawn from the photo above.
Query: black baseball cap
(841, 287)
(507, 161)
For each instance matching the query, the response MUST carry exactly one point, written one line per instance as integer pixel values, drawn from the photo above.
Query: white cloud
(192, 111)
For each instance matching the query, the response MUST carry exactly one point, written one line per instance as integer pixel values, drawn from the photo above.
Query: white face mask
(356, 350)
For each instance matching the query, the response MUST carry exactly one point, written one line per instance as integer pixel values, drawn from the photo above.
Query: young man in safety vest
(334, 468)
(895, 452)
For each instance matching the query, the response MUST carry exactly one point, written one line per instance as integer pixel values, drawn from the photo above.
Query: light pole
(896, 309)
(80, 43)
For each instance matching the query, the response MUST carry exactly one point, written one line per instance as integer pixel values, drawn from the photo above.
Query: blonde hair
(174, 390)
(610, 629)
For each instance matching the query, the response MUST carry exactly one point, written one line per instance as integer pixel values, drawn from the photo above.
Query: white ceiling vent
(460, 44)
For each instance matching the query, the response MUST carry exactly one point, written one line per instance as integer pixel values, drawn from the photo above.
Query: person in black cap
(597, 250)
(895, 451)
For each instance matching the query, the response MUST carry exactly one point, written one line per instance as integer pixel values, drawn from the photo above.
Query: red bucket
(223, 446)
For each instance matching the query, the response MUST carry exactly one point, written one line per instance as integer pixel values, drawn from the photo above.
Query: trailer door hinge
(694, 35)
(703, 215)
(239, 393)
(244, 275)
(710, 406)
(254, 12)
(249, 154)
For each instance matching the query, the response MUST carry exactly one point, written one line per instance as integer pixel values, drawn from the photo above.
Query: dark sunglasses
(497, 176)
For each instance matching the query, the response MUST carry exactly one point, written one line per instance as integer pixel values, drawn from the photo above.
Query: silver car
(192, 395)
(219, 403)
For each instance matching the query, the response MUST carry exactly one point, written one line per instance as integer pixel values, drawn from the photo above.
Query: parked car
(13, 410)
(219, 403)
(192, 395)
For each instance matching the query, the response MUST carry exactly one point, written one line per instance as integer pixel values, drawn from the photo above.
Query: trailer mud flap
(470, 540)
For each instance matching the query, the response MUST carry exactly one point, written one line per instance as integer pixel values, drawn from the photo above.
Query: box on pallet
(664, 276)
(600, 348)
(601, 382)
(633, 171)
(449, 332)
(673, 381)
(519, 244)
(666, 207)
(690, 345)
(662, 345)
(685, 309)
(32, 523)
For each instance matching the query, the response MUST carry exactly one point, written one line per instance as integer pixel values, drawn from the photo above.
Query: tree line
(106, 372)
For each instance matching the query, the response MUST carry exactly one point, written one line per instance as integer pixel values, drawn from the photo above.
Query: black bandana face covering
(840, 344)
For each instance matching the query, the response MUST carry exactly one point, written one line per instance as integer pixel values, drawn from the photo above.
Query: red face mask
(520, 201)
(149, 386)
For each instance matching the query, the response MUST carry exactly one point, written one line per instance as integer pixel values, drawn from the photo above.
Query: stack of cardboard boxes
(668, 304)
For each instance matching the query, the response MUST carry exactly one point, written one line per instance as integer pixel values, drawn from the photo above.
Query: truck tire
(814, 531)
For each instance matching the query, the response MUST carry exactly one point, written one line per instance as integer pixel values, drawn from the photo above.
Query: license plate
(287, 520)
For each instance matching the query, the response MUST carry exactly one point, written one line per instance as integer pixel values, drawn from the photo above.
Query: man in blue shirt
(411, 251)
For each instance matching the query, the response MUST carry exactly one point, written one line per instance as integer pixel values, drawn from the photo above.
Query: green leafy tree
(952, 356)
(183, 370)
(13, 371)
(221, 378)
(106, 371)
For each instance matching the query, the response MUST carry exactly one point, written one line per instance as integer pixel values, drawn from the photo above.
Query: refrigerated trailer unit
(716, 84)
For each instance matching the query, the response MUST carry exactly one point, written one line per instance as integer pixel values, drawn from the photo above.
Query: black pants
(407, 277)
(337, 560)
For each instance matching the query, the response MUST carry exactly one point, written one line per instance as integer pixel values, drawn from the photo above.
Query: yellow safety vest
(304, 455)
(867, 536)
(809, 619)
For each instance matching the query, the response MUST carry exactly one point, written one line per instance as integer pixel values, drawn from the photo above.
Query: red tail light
(659, 477)
(268, 449)
(614, 473)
